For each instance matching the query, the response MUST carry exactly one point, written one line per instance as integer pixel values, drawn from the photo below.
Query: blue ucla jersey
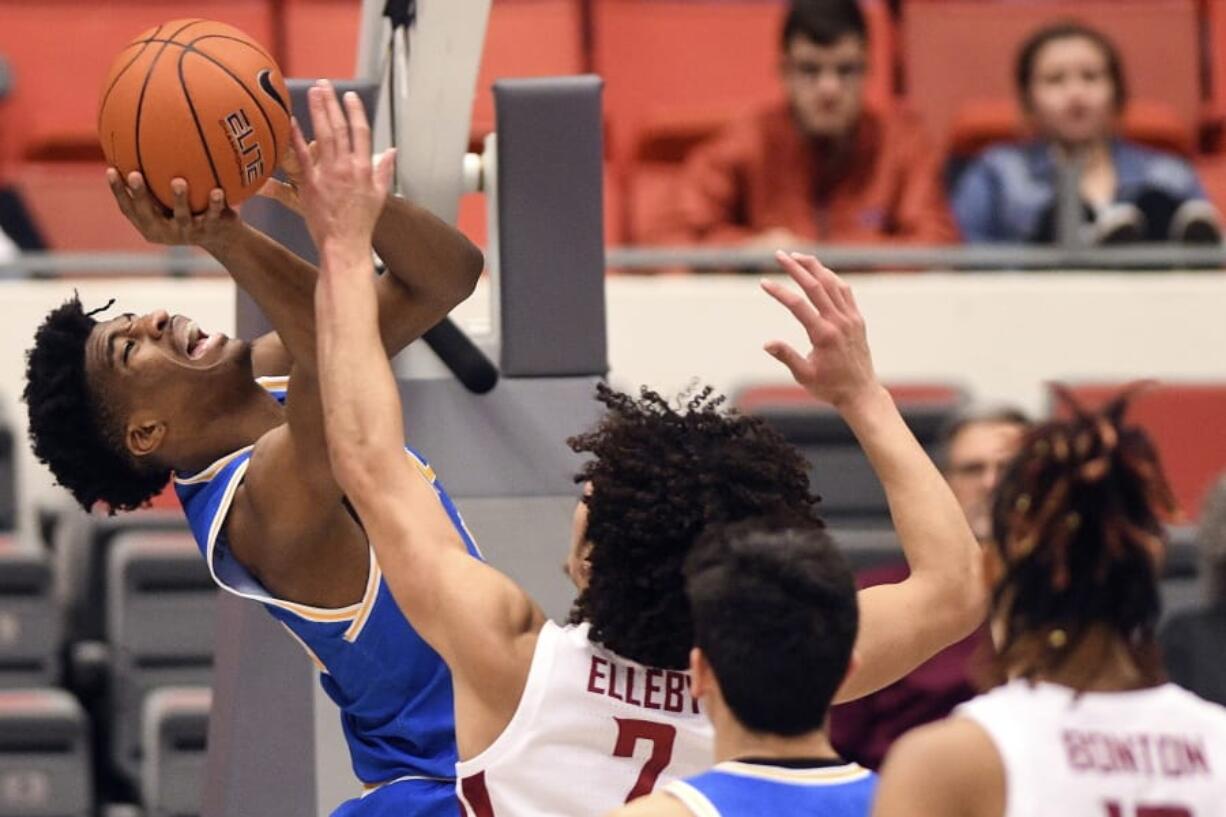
(741, 789)
(393, 690)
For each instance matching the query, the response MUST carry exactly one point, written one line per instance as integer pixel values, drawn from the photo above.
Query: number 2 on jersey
(1115, 810)
(661, 736)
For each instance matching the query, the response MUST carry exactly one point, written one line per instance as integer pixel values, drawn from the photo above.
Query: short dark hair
(823, 22)
(1079, 524)
(775, 614)
(69, 427)
(660, 475)
(1028, 55)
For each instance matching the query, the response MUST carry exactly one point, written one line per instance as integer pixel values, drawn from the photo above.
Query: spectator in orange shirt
(822, 166)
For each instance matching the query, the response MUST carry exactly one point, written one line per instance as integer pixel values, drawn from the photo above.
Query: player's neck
(252, 416)
(1099, 662)
(733, 742)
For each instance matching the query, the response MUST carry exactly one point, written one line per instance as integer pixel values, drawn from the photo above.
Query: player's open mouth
(198, 344)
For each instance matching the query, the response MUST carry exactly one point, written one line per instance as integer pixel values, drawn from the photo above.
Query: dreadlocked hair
(69, 427)
(659, 476)
(1079, 524)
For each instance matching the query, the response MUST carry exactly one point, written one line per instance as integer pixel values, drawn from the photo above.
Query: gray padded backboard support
(551, 226)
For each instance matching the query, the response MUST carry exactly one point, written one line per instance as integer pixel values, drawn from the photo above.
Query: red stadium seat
(321, 38)
(60, 53)
(786, 395)
(73, 206)
(1215, 43)
(1211, 170)
(1159, 40)
(1184, 420)
(527, 38)
(700, 56)
(980, 123)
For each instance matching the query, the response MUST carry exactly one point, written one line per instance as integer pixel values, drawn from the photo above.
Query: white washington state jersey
(1158, 752)
(592, 731)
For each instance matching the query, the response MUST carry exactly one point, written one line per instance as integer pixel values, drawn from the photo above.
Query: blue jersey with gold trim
(740, 789)
(393, 689)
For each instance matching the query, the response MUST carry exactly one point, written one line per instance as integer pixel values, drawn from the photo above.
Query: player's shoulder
(659, 804)
(1207, 712)
(939, 764)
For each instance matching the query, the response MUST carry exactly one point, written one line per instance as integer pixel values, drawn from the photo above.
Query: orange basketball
(198, 100)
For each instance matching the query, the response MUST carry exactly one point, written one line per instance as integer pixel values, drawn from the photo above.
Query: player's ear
(144, 435)
(853, 664)
(702, 677)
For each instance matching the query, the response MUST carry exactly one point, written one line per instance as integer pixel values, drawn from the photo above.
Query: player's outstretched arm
(946, 769)
(943, 600)
(481, 622)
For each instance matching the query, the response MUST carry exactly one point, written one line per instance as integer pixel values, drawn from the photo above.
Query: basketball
(197, 100)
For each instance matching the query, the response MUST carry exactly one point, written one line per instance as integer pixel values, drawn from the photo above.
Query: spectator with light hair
(1192, 641)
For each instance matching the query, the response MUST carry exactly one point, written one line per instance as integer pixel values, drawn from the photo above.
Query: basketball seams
(106, 95)
(252, 44)
(191, 106)
(272, 132)
(140, 103)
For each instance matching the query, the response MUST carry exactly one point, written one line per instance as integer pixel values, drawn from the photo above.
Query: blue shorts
(406, 798)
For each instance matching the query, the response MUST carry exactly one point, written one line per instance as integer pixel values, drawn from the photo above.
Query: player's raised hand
(838, 367)
(340, 190)
(180, 227)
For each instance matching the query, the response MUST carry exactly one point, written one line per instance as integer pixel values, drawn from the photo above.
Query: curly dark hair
(1078, 522)
(659, 476)
(775, 615)
(69, 427)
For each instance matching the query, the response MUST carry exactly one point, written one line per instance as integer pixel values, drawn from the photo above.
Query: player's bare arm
(943, 601)
(482, 624)
(947, 769)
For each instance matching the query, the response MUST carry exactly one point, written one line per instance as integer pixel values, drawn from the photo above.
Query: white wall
(1000, 335)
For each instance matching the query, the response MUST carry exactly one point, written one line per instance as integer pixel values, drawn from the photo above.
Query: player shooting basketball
(550, 720)
(116, 407)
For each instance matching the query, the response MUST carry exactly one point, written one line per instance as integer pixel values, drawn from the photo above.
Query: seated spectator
(820, 166)
(1071, 86)
(1192, 642)
(977, 448)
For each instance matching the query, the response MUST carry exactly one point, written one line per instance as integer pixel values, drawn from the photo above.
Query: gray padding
(510, 442)
(866, 548)
(8, 467)
(528, 539)
(44, 755)
(161, 603)
(838, 470)
(81, 544)
(174, 735)
(30, 621)
(261, 730)
(551, 226)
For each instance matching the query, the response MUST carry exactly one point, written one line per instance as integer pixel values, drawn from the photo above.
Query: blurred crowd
(977, 447)
(825, 165)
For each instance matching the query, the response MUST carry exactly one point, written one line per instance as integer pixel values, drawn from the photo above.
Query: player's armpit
(658, 804)
(946, 769)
